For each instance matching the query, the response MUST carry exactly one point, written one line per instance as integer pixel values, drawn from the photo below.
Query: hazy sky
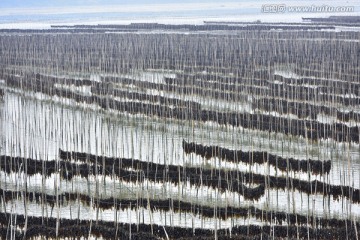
(94, 6)
(61, 3)
(34, 4)
(17, 11)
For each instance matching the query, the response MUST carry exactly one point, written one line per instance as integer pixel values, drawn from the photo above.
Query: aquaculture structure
(154, 131)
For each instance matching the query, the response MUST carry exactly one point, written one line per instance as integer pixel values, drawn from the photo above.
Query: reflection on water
(38, 129)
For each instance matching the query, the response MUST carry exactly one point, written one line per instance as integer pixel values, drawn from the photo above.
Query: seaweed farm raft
(154, 131)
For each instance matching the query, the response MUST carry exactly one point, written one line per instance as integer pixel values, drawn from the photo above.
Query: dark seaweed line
(309, 129)
(76, 230)
(255, 86)
(42, 78)
(301, 109)
(262, 78)
(299, 91)
(194, 90)
(237, 91)
(284, 164)
(219, 177)
(38, 226)
(68, 170)
(179, 207)
(309, 94)
(45, 84)
(325, 85)
(317, 74)
(108, 88)
(145, 97)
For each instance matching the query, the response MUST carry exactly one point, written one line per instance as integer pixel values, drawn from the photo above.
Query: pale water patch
(37, 129)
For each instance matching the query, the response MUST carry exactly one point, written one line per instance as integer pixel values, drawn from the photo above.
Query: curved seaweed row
(59, 80)
(310, 129)
(46, 84)
(260, 77)
(187, 90)
(108, 88)
(235, 86)
(313, 72)
(295, 89)
(349, 86)
(74, 229)
(69, 170)
(40, 227)
(236, 91)
(301, 109)
(100, 90)
(178, 206)
(217, 177)
(251, 157)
